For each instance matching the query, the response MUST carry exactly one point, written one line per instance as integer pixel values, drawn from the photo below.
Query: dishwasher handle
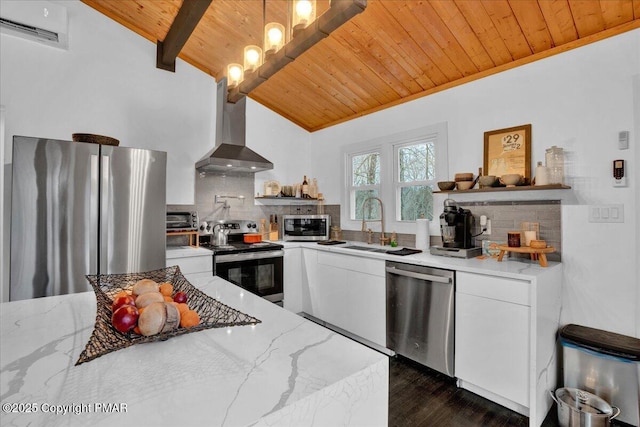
(420, 276)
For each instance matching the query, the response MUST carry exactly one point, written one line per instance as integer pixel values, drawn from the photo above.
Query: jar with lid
(554, 158)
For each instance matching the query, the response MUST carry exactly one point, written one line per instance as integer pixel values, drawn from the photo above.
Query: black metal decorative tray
(106, 339)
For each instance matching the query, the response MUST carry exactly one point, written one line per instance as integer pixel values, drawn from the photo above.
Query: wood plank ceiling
(393, 52)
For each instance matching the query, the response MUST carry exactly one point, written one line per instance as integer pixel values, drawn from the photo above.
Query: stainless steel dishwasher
(420, 314)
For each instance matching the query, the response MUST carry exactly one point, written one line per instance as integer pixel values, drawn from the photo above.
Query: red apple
(125, 318)
(122, 300)
(180, 297)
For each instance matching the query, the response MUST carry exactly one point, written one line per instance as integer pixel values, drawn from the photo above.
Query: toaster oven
(306, 227)
(182, 221)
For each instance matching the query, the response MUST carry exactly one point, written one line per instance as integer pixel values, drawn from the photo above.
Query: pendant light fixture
(302, 14)
(278, 51)
(273, 39)
(252, 58)
(235, 74)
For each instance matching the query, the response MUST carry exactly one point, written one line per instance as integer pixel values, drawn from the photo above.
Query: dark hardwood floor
(419, 396)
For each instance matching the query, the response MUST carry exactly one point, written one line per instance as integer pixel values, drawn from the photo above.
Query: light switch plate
(606, 213)
(623, 140)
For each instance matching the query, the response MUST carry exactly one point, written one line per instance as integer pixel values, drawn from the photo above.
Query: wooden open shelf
(194, 241)
(516, 188)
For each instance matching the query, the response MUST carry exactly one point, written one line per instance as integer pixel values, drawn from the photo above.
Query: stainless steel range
(256, 267)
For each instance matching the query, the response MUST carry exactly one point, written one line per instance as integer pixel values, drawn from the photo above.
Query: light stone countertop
(174, 252)
(509, 268)
(283, 371)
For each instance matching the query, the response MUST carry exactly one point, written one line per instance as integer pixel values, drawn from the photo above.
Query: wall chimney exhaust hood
(230, 153)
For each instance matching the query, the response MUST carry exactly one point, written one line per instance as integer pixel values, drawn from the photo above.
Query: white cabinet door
(309, 280)
(292, 278)
(366, 314)
(350, 293)
(492, 346)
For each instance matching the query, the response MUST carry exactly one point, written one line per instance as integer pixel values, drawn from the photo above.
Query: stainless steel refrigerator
(79, 209)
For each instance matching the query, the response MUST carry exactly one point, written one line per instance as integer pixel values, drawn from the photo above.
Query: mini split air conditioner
(40, 21)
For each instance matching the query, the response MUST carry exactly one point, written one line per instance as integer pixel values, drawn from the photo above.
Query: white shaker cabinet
(505, 339)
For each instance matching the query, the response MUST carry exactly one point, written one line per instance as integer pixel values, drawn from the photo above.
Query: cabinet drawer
(498, 288)
(348, 262)
(199, 264)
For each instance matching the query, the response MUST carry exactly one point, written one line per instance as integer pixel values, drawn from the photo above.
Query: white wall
(107, 83)
(578, 100)
(283, 143)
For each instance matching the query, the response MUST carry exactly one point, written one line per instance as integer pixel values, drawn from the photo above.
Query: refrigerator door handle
(93, 212)
(105, 192)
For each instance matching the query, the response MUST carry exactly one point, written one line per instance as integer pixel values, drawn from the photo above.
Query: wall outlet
(606, 213)
(488, 227)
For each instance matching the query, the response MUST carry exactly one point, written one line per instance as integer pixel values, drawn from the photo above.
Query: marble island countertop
(283, 371)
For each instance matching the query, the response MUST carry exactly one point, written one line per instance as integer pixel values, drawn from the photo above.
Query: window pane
(372, 209)
(366, 169)
(417, 162)
(416, 201)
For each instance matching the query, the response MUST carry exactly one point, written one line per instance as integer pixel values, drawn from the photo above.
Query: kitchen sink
(365, 248)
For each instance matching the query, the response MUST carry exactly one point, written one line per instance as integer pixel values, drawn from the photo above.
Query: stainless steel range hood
(230, 153)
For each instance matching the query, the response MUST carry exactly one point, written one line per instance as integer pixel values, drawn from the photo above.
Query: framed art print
(508, 151)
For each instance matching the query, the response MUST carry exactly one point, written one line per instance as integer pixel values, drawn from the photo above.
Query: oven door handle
(419, 276)
(247, 256)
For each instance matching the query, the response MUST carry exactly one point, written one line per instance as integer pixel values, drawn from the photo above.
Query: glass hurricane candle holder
(273, 38)
(252, 58)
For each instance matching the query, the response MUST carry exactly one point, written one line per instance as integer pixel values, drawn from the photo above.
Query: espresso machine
(456, 226)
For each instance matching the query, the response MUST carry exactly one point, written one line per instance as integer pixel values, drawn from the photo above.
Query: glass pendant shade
(235, 74)
(273, 38)
(303, 13)
(252, 58)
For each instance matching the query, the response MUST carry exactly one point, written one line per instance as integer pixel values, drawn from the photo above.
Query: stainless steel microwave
(306, 227)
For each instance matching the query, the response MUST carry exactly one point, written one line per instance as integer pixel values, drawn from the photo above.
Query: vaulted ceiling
(393, 52)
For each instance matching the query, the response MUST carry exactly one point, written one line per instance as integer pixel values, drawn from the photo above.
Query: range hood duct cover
(230, 148)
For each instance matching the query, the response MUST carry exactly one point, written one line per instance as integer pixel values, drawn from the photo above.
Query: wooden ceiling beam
(183, 25)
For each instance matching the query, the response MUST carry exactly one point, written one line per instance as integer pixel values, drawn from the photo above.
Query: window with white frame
(365, 183)
(401, 170)
(415, 177)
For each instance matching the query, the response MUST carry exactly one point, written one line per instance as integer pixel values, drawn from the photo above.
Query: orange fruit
(189, 318)
(136, 330)
(168, 299)
(121, 294)
(140, 310)
(166, 289)
(182, 307)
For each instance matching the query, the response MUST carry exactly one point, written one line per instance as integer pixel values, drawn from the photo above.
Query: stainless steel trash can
(605, 364)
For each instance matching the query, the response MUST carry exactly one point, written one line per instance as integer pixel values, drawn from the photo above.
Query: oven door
(258, 272)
